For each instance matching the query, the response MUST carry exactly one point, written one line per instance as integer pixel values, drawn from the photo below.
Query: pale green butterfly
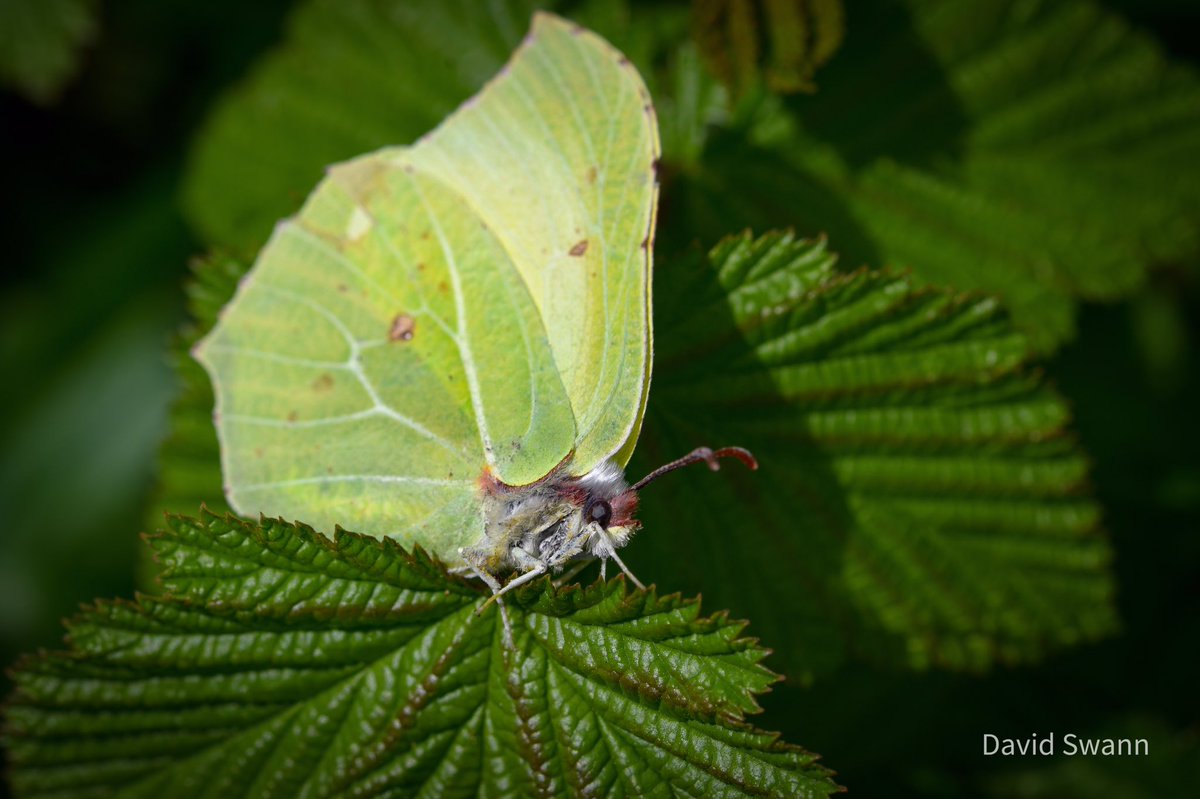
(450, 344)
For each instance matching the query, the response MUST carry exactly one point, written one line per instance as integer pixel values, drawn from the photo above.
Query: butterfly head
(545, 526)
(607, 503)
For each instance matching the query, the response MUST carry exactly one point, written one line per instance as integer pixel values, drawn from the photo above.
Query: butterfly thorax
(554, 521)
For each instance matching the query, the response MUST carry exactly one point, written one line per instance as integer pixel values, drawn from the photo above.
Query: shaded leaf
(284, 663)
(920, 499)
(1039, 152)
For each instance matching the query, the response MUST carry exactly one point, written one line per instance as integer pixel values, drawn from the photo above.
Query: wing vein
(462, 341)
(355, 367)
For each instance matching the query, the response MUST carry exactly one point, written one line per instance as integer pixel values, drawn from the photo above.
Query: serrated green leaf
(920, 499)
(283, 663)
(1041, 152)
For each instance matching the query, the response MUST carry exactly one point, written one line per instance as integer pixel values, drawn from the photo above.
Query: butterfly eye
(599, 511)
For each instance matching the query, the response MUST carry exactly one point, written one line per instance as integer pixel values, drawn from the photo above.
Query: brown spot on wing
(322, 383)
(580, 248)
(403, 328)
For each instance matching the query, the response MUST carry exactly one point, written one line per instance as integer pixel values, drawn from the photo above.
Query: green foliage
(85, 407)
(283, 663)
(1040, 153)
(41, 43)
(919, 498)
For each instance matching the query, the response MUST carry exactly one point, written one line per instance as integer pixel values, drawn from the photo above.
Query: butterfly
(450, 343)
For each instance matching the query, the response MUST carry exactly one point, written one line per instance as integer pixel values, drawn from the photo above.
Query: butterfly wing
(561, 149)
(382, 350)
(476, 300)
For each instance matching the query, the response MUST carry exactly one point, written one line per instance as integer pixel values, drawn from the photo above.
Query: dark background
(95, 254)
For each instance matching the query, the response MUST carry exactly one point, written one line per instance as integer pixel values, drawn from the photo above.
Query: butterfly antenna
(709, 456)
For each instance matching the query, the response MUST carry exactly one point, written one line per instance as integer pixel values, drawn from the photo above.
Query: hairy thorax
(554, 521)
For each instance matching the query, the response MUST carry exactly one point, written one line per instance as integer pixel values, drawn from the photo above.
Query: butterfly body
(543, 527)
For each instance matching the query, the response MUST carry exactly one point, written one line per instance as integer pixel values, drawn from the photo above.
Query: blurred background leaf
(41, 44)
(96, 250)
(87, 348)
(189, 473)
(777, 42)
(324, 89)
(949, 136)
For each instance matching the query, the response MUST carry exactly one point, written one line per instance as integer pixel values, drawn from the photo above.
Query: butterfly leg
(534, 572)
(476, 564)
(604, 549)
(494, 584)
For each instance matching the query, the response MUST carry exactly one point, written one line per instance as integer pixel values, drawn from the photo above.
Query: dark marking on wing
(403, 328)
